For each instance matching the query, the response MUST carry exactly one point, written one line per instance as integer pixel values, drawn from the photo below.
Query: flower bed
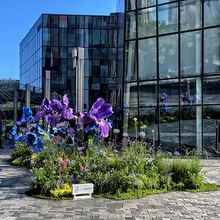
(71, 154)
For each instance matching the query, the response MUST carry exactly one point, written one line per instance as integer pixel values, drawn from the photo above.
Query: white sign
(82, 191)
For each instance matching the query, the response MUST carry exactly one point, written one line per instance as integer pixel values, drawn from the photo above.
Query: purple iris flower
(184, 96)
(163, 97)
(99, 111)
(55, 111)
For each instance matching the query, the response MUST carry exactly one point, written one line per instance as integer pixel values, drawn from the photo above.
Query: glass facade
(48, 47)
(172, 71)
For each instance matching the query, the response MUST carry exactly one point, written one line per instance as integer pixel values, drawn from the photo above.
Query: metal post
(78, 63)
(15, 106)
(218, 135)
(47, 85)
(28, 95)
(1, 147)
(46, 91)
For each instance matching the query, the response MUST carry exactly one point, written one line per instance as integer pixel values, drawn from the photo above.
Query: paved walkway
(16, 205)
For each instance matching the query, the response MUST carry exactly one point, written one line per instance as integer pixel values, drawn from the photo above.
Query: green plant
(21, 155)
(187, 172)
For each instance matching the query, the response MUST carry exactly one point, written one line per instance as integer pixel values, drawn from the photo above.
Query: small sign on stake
(82, 191)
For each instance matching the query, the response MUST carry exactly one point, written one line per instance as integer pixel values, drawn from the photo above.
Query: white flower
(125, 135)
(141, 134)
(116, 131)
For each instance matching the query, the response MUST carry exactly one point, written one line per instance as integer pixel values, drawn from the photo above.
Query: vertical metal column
(218, 135)
(28, 95)
(47, 84)
(78, 63)
(198, 81)
(46, 91)
(15, 106)
(1, 147)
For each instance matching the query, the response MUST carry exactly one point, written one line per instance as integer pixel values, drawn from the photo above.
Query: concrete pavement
(16, 205)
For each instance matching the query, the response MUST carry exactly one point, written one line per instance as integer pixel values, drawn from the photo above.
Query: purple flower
(163, 97)
(170, 153)
(177, 153)
(80, 149)
(141, 134)
(55, 111)
(99, 111)
(184, 96)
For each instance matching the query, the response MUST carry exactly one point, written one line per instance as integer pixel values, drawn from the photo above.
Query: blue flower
(26, 116)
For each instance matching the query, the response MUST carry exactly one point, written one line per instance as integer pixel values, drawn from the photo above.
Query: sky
(18, 16)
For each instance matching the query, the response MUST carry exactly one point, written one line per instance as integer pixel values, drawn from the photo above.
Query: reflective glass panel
(129, 124)
(104, 38)
(63, 37)
(104, 22)
(96, 37)
(79, 37)
(168, 18)
(212, 51)
(189, 128)
(169, 129)
(145, 3)
(71, 37)
(130, 95)
(146, 22)
(130, 61)
(54, 36)
(130, 5)
(211, 90)
(211, 12)
(113, 38)
(190, 53)
(63, 21)
(54, 21)
(191, 113)
(88, 37)
(96, 22)
(190, 14)
(211, 125)
(168, 57)
(88, 21)
(80, 21)
(190, 92)
(147, 59)
(130, 25)
(149, 117)
(168, 93)
(46, 36)
(46, 20)
(148, 93)
(71, 21)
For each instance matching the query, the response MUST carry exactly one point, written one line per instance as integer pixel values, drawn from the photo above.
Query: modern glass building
(172, 71)
(49, 44)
